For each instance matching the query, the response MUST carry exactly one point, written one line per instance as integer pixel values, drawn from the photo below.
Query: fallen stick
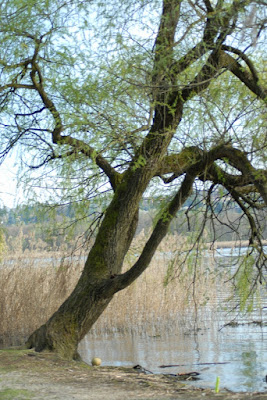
(184, 365)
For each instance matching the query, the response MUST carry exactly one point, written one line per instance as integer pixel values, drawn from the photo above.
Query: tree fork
(67, 327)
(82, 308)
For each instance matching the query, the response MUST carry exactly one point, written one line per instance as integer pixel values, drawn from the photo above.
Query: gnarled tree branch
(77, 144)
(122, 281)
(249, 78)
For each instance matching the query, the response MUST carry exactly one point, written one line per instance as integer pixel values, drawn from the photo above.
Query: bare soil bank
(26, 375)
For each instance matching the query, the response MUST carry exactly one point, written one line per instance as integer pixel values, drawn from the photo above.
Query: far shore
(230, 244)
(60, 254)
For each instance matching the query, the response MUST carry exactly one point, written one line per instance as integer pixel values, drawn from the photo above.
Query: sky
(9, 194)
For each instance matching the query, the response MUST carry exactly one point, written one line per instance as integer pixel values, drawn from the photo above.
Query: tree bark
(66, 328)
(78, 313)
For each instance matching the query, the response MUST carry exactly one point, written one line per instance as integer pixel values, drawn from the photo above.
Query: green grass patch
(15, 394)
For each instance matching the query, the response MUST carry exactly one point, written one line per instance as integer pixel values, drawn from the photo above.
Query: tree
(129, 96)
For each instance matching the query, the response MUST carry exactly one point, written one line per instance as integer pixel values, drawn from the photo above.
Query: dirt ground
(26, 375)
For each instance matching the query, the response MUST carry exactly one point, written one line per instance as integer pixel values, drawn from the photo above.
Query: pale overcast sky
(8, 191)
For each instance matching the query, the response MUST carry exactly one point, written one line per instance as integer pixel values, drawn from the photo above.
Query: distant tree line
(50, 227)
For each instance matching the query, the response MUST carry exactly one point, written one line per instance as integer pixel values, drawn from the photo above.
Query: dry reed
(32, 287)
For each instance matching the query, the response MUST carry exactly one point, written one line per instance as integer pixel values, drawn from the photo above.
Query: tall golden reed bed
(33, 285)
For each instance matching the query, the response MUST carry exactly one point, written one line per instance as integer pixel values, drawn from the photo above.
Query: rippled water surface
(242, 352)
(236, 354)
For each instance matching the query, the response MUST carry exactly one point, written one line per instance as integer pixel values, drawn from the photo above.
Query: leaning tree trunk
(101, 278)
(92, 294)
(70, 323)
(65, 329)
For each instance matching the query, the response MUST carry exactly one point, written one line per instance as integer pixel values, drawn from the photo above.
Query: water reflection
(238, 355)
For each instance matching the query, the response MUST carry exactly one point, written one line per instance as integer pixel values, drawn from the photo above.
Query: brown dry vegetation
(34, 284)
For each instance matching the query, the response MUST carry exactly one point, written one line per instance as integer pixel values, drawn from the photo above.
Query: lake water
(236, 354)
(243, 349)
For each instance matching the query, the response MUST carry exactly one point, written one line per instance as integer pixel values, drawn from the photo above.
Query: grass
(15, 394)
(32, 287)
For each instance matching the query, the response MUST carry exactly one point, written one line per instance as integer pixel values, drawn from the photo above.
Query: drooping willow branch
(57, 136)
